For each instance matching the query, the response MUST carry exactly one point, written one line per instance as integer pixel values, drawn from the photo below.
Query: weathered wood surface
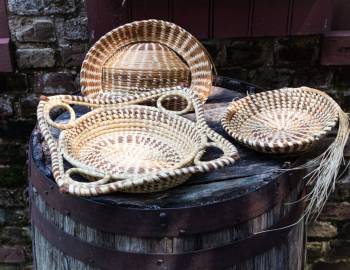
(248, 175)
(288, 255)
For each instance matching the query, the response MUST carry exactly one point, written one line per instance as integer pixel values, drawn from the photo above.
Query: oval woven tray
(287, 120)
(130, 148)
(173, 40)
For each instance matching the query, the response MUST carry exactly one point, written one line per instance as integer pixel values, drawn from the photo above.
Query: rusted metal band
(215, 258)
(166, 221)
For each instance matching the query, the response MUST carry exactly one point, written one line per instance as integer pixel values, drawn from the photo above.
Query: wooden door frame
(251, 17)
(6, 64)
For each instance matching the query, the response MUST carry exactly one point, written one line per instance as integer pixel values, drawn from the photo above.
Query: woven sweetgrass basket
(126, 147)
(177, 56)
(292, 120)
(144, 66)
(289, 120)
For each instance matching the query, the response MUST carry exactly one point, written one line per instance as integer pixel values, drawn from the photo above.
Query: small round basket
(128, 142)
(285, 121)
(123, 146)
(179, 57)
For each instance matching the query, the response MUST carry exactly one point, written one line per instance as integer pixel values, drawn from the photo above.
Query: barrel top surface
(247, 175)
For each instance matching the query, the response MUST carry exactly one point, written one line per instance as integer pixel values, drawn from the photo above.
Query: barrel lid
(243, 191)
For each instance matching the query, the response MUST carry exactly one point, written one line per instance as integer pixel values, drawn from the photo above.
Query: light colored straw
(289, 121)
(169, 37)
(121, 146)
(142, 66)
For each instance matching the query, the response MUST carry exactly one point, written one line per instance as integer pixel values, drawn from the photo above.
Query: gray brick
(33, 30)
(35, 58)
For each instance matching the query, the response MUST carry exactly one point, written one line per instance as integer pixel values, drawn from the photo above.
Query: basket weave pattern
(144, 66)
(121, 146)
(288, 120)
(153, 31)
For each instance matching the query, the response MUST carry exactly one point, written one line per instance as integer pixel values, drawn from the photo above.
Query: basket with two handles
(123, 146)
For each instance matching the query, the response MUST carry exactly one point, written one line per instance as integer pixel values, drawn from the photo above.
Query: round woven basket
(120, 146)
(175, 46)
(288, 120)
(144, 66)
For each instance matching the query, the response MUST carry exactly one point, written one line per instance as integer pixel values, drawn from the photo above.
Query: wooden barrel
(226, 219)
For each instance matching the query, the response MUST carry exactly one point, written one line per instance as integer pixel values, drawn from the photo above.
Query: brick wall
(50, 39)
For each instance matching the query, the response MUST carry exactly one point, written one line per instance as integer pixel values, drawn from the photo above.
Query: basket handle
(229, 151)
(65, 102)
(69, 185)
(197, 159)
(105, 183)
(104, 178)
(187, 109)
(193, 103)
(56, 104)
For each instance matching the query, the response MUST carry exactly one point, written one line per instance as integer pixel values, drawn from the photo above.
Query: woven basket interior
(131, 141)
(285, 121)
(144, 65)
(176, 49)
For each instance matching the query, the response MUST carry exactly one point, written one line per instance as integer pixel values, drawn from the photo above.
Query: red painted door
(217, 18)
